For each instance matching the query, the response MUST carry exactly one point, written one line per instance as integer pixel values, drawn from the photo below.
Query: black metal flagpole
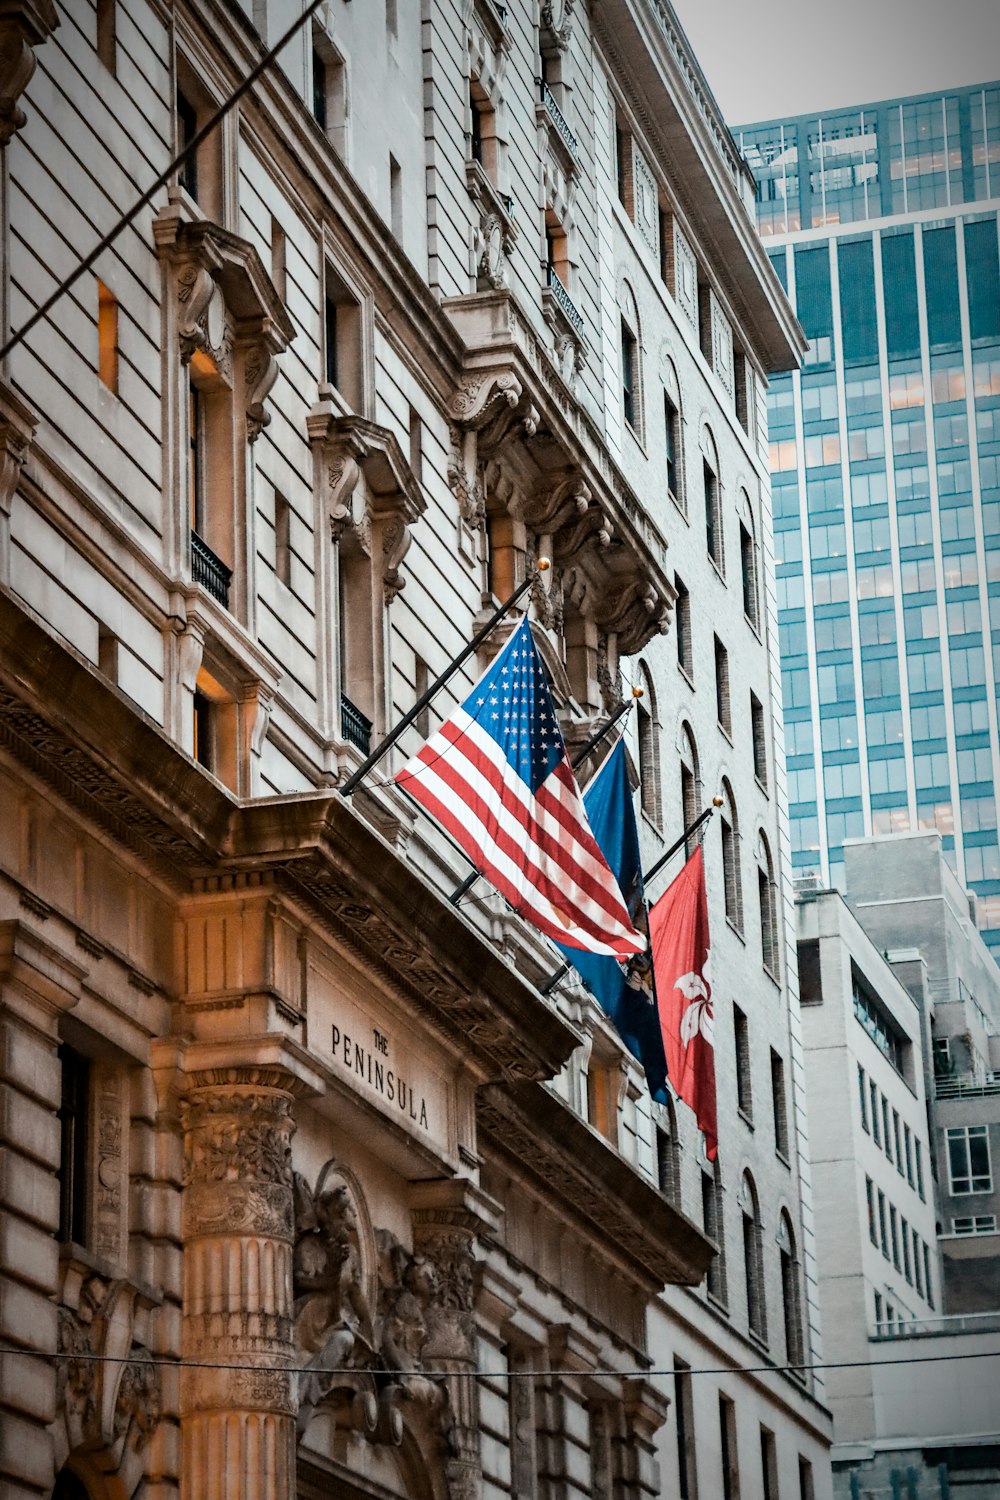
(578, 760)
(715, 803)
(386, 745)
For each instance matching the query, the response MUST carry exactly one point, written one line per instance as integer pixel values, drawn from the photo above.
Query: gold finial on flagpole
(637, 692)
(543, 565)
(717, 802)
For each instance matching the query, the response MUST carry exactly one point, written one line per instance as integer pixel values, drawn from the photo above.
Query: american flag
(496, 775)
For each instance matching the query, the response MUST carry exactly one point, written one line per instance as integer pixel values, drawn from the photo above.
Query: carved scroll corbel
(260, 373)
(477, 398)
(343, 475)
(23, 27)
(395, 545)
(195, 287)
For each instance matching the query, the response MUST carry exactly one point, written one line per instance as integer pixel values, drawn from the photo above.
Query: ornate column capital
(24, 25)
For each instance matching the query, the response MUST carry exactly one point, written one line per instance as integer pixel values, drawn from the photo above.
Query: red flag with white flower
(678, 937)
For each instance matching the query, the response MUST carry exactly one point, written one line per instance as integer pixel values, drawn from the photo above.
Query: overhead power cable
(19, 335)
(153, 1361)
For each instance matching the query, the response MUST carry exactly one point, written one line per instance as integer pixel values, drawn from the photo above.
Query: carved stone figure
(408, 1289)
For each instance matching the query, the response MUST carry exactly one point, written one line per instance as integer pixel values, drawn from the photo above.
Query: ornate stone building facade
(310, 1182)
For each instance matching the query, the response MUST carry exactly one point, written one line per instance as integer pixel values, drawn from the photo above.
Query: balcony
(355, 728)
(558, 119)
(563, 300)
(210, 571)
(968, 1086)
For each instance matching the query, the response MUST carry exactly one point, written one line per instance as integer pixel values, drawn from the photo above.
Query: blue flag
(623, 991)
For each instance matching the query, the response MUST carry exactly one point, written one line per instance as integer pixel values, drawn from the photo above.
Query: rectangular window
(187, 129)
(744, 1094)
(768, 1464)
(74, 1111)
(711, 1218)
(106, 33)
(969, 1168)
(343, 346)
(722, 687)
(977, 1224)
(279, 259)
(894, 1234)
(282, 539)
(682, 628)
(778, 1103)
(320, 89)
(807, 1490)
(395, 199)
(928, 1284)
(684, 1413)
(759, 737)
(898, 1142)
(107, 338)
(908, 1153)
(876, 1130)
(727, 1449)
(629, 402)
(918, 1152)
(883, 1230)
(917, 1267)
(904, 1234)
(870, 1196)
(886, 1133)
(863, 1093)
(671, 445)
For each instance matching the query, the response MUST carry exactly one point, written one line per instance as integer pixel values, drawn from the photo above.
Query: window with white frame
(969, 1159)
(976, 1224)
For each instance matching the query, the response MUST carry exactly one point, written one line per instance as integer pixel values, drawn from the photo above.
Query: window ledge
(783, 1157)
(737, 931)
(753, 626)
(747, 1119)
(763, 786)
(723, 730)
(720, 1306)
(686, 675)
(652, 824)
(717, 568)
(771, 974)
(633, 433)
(680, 507)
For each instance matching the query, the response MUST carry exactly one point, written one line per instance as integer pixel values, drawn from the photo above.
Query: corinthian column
(238, 1423)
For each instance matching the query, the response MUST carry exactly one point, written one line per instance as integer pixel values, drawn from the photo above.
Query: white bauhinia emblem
(698, 1011)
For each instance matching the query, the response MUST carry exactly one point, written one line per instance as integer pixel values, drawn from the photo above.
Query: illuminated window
(107, 338)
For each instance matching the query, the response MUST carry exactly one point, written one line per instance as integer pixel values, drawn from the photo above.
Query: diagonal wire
(83, 266)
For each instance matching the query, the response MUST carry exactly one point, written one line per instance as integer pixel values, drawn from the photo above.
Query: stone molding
(546, 1141)
(24, 26)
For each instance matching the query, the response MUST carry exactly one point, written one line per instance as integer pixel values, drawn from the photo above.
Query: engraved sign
(392, 1071)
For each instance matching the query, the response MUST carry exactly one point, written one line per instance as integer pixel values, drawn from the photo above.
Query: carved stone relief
(108, 1405)
(23, 27)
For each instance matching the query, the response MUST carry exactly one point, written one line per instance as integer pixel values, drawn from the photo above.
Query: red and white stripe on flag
(679, 941)
(497, 777)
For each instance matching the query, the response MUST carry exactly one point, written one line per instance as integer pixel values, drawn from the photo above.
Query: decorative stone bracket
(495, 233)
(351, 451)
(484, 411)
(17, 430)
(227, 307)
(24, 25)
(557, 21)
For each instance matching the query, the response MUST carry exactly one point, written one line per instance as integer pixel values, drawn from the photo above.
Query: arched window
(732, 884)
(631, 359)
(690, 777)
(713, 499)
(668, 1165)
(791, 1297)
(753, 1257)
(748, 561)
(673, 439)
(712, 1223)
(649, 749)
(768, 906)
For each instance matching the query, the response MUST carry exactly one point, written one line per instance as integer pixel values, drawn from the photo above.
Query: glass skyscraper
(885, 457)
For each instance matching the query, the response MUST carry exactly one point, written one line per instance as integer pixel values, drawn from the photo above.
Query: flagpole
(386, 745)
(715, 803)
(578, 760)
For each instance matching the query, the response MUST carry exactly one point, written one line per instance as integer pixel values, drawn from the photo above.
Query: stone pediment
(227, 306)
(351, 449)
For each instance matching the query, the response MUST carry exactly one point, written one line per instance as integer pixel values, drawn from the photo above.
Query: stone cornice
(59, 718)
(688, 140)
(623, 1214)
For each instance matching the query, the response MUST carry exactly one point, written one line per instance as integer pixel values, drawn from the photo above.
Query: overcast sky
(763, 58)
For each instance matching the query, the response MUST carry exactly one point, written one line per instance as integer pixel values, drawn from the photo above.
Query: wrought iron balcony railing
(355, 728)
(565, 301)
(210, 571)
(558, 118)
